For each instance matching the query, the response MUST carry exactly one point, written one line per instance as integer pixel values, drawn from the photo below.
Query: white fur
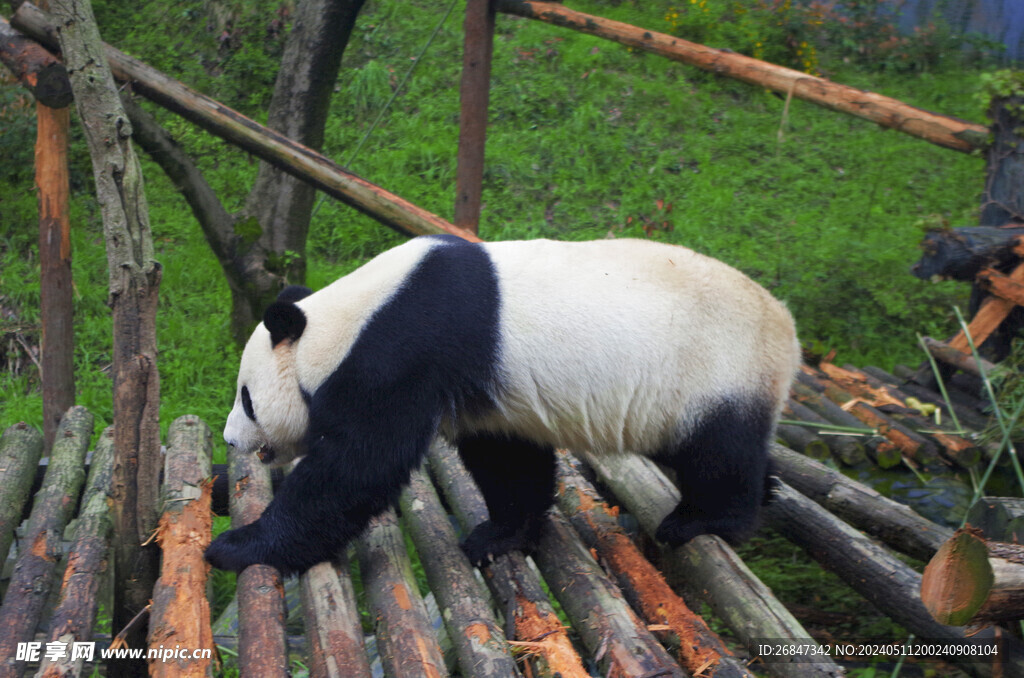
(606, 346)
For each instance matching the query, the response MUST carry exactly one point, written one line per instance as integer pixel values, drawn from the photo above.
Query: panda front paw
(237, 549)
(488, 541)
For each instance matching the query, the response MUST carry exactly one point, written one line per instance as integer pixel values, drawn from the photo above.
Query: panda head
(270, 415)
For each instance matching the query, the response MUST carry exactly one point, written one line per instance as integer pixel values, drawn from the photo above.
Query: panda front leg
(315, 512)
(517, 480)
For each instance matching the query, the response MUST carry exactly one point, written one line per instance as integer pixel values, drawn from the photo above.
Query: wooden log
(35, 68)
(881, 451)
(262, 649)
(897, 525)
(476, 635)
(802, 438)
(955, 448)
(333, 630)
(877, 575)
(700, 650)
(180, 612)
(74, 617)
(962, 253)
(617, 639)
(405, 637)
(942, 130)
(20, 448)
(35, 570)
(998, 518)
(266, 144)
(965, 412)
(848, 449)
(531, 620)
(708, 568)
(474, 93)
(910, 444)
(972, 582)
(959, 358)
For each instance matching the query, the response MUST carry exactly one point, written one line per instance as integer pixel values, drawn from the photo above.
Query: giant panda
(509, 350)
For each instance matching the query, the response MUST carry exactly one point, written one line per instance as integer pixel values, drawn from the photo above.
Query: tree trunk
(134, 283)
(74, 617)
(280, 203)
(35, 572)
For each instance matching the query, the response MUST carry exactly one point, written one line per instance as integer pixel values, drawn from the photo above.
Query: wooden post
(478, 44)
(333, 630)
(134, 280)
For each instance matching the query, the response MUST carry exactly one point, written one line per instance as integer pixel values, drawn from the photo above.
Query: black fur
(517, 479)
(285, 321)
(294, 293)
(432, 348)
(722, 471)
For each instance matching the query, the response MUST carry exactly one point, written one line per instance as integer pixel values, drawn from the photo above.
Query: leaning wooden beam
(958, 353)
(74, 617)
(888, 583)
(477, 637)
(36, 69)
(895, 524)
(180, 612)
(709, 567)
(35, 570)
(20, 448)
(619, 641)
(262, 649)
(333, 629)
(529, 617)
(973, 582)
(405, 636)
(938, 129)
(701, 651)
(264, 143)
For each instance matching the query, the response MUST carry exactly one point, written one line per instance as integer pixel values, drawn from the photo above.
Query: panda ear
(294, 293)
(285, 320)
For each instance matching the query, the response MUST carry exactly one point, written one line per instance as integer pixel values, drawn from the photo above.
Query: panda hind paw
(488, 541)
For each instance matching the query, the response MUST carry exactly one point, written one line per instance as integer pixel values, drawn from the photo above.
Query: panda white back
(622, 345)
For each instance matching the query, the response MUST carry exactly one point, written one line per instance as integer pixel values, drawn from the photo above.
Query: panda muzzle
(266, 453)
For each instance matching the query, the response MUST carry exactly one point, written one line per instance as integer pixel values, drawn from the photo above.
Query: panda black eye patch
(247, 404)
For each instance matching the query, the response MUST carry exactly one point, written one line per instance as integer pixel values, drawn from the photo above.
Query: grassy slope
(587, 139)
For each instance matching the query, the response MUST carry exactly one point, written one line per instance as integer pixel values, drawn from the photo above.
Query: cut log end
(958, 579)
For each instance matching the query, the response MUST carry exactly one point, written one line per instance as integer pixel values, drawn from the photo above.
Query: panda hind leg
(517, 480)
(722, 470)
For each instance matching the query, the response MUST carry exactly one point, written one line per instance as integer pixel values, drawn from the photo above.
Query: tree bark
(35, 572)
(701, 651)
(406, 640)
(74, 617)
(961, 253)
(530, 619)
(134, 283)
(280, 203)
(180, 612)
(35, 68)
(20, 449)
(262, 649)
(998, 518)
(895, 524)
(938, 129)
(474, 94)
(333, 630)
(476, 635)
(709, 569)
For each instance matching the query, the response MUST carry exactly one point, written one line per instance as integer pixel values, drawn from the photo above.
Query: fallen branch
(36, 69)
